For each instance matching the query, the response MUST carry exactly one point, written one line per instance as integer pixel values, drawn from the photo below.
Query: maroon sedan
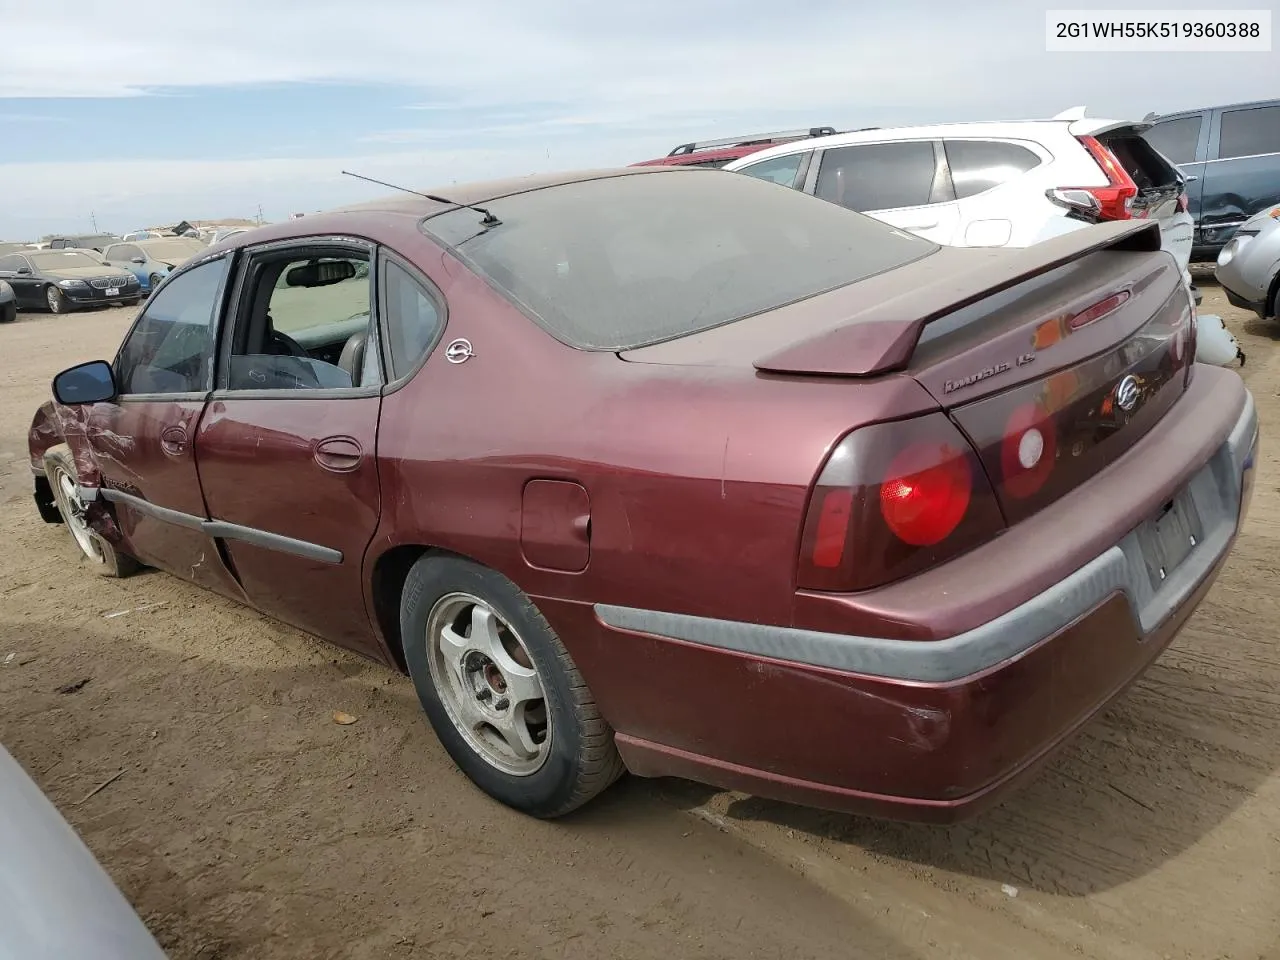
(682, 473)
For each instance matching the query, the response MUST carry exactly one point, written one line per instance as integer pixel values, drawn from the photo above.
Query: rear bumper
(932, 729)
(1243, 302)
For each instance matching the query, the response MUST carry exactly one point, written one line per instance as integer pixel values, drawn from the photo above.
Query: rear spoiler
(882, 337)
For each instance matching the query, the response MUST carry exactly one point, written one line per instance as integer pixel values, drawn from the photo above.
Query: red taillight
(1184, 204)
(1115, 201)
(894, 499)
(926, 494)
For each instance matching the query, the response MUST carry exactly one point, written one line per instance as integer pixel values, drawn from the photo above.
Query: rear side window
(626, 261)
(877, 176)
(1176, 139)
(980, 165)
(1247, 133)
(413, 319)
(781, 170)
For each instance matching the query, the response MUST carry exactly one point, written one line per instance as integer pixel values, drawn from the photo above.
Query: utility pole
(94, 221)
(259, 214)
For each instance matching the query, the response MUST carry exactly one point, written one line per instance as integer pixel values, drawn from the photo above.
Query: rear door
(903, 183)
(287, 448)
(1244, 175)
(992, 194)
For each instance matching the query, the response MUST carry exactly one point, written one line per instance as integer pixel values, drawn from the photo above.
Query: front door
(141, 445)
(287, 446)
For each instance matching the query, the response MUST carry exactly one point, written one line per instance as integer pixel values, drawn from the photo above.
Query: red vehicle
(716, 153)
(680, 473)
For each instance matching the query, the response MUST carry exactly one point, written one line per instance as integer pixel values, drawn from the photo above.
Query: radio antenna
(488, 220)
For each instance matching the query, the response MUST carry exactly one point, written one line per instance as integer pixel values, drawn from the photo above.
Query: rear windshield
(628, 261)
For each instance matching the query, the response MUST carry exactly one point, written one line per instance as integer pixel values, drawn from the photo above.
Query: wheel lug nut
(501, 703)
(484, 693)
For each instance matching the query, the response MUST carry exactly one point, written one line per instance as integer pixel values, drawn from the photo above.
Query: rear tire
(60, 468)
(8, 313)
(480, 654)
(154, 281)
(56, 301)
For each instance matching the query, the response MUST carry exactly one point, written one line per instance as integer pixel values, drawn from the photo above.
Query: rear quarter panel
(697, 477)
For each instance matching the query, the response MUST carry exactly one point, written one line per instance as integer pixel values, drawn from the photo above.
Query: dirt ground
(248, 825)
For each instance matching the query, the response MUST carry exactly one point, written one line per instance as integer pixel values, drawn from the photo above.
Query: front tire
(60, 468)
(501, 691)
(56, 301)
(154, 281)
(8, 313)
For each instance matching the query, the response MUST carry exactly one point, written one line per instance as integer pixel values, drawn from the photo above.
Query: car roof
(402, 211)
(1242, 105)
(1011, 129)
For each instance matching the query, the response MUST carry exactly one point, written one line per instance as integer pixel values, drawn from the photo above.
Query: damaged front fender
(45, 433)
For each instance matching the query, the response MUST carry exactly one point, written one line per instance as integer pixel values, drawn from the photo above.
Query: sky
(132, 115)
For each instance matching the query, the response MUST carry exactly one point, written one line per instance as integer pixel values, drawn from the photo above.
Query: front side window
(981, 165)
(1176, 139)
(781, 170)
(1248, 133)
(878, 176)
(170, 349)
(12, 264)
(305, 324)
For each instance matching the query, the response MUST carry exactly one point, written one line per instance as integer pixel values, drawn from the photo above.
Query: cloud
(501, 86)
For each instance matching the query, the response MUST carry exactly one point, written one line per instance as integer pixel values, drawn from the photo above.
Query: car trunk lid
(1053, 380)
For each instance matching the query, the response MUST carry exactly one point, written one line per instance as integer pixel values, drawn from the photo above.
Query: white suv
(992, 184)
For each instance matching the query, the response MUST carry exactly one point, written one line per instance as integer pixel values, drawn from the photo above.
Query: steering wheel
(281, 344)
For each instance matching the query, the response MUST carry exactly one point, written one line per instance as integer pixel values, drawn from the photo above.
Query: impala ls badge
(459, 351)
(1127, 392)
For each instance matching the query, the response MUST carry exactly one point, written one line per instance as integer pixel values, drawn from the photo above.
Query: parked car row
(1201, 173)
(70, 273)
(63, 280)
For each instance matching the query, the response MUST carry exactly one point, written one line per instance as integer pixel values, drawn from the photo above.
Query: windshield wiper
(489, 220)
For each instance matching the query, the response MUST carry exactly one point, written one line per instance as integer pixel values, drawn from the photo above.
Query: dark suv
(716, 153)
(1231, 156)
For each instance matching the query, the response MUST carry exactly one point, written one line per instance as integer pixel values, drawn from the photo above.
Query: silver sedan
(55, 900)
(1249, 265)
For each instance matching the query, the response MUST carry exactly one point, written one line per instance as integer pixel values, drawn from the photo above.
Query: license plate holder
(1169, 537)
(113, 291)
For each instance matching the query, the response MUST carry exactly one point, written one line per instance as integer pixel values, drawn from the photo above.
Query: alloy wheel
(487, 684)
(74, 515)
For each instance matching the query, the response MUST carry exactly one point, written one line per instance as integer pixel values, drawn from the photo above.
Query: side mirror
(24, 271)
(91, 382)
(138, 260)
